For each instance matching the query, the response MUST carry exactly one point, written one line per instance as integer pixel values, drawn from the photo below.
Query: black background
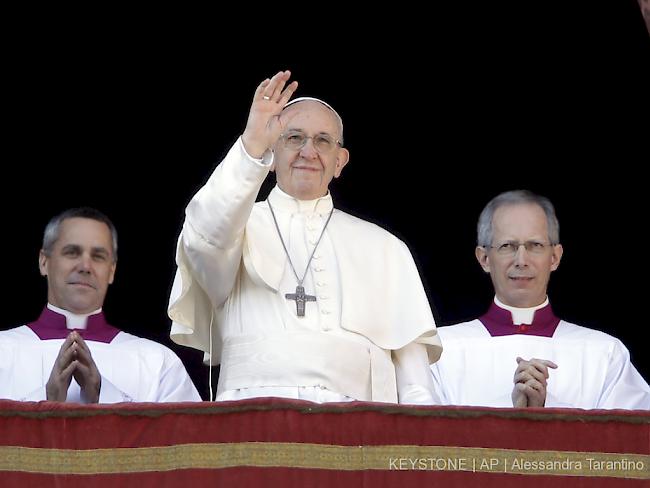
(442, 112)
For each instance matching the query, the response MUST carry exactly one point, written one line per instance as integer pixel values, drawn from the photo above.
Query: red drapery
(274, 442)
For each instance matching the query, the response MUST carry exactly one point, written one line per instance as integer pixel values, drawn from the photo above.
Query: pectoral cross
(300, 299)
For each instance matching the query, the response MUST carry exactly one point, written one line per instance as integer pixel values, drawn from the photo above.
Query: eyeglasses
(295, 140)
(510, 248)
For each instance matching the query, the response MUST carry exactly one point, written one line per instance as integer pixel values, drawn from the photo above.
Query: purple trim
(498, 322)
(52, 325)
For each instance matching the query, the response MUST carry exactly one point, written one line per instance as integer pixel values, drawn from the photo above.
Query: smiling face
(80, 266)
(520, 280)
(305, 173)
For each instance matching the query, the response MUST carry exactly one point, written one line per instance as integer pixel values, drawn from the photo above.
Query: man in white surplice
(519, 353)
(71, 353)
(293, 297)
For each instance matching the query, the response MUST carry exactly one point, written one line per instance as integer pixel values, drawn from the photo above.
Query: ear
(482, 258)
(42, 263)
(111, 276)
(342, 159)
(556, 257)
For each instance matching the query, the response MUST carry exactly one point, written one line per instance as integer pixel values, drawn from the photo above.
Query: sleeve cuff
(265, 160)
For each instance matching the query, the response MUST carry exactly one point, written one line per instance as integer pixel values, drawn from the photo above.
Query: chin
(82, 308)
(307, 194)
(525, 301)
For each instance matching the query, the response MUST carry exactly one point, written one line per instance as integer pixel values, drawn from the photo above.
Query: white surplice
(594, 369)
(133, 369)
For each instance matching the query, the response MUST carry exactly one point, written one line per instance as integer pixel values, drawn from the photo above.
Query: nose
(308, 151)
(84, 264)
(521, 256)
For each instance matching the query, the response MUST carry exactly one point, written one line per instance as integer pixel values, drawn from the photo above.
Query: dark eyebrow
(71, 247)
(77, 248)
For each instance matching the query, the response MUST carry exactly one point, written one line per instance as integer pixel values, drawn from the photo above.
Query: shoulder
(19, 333)
(353, 224)
(462, 331)
(590, 337)
(573, 331)
(146, 346)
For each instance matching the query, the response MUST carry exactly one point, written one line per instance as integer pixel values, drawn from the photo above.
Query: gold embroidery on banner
(322, 456)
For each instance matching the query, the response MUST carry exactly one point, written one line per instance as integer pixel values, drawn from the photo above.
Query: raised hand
(264, 124)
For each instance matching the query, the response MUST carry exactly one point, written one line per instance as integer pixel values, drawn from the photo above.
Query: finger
(539, 364)
(535, 385)
(547, 363)
(80, 340)
(87, 375)
(83, 355)
(66, 355)
(66, 372)
(86, 358)
(542, 365)
(267, 87)
(84, 350)
(81, 373)
(519, 397)
(274, 89)
(536, 396)
(521, 387)
(67, 342)
(259, 91)
(534, 372)
(525, 376)
(287, 93)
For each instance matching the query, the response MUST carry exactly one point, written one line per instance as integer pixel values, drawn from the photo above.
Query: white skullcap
(304, 99)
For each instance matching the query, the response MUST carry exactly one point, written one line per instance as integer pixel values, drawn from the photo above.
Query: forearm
(220, 209)
(414, 380)
(211, 242)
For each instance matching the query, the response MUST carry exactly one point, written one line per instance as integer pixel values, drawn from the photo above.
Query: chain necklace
(299, 296)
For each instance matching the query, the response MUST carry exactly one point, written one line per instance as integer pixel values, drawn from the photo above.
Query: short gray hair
(484, 229)
(53, 227)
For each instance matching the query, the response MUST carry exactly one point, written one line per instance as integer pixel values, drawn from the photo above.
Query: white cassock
(594, 369)
(370, 335)
(133, 369)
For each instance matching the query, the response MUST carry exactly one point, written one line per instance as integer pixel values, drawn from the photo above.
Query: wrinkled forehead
(315, 105)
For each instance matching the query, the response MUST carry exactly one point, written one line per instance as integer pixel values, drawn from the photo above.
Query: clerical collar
(281, 200)
(74, 320)
(500, 320)
(53, 324)
(521, 315)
